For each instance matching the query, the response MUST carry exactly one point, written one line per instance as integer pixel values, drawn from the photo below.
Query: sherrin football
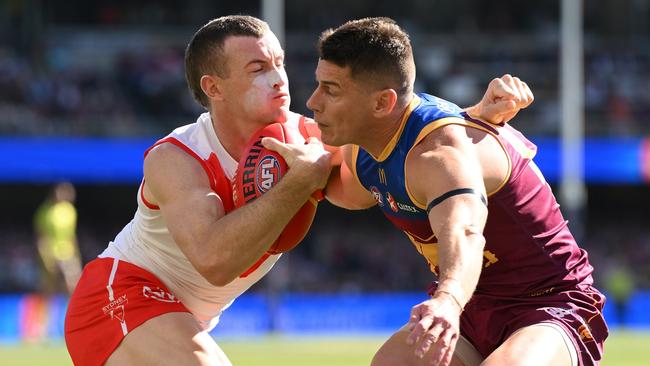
(260, 169)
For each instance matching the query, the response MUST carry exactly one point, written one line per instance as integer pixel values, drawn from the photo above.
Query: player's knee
(207, 352)
(384, 357)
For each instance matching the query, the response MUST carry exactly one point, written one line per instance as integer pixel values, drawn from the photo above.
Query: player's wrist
(474, 111)
(453, 298)
(301, 184)
(453, 290)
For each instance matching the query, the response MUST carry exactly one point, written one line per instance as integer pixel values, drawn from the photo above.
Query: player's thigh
(395, 351)
(168, 339)
(538, 344)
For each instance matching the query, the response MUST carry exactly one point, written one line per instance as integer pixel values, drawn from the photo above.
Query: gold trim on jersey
(434, 125)
(353, 163)
(428, 251)
(388, 149)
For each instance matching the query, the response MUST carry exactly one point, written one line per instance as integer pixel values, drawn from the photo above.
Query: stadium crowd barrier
(30, 317)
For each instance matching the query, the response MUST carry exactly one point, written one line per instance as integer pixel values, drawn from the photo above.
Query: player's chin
(328, 139)
(280, 115)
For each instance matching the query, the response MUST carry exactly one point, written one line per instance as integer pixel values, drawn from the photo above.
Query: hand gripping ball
(260, 169)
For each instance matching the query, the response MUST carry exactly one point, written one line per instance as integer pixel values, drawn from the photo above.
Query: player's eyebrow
(265, 59)
(256, 61)
(330, 83)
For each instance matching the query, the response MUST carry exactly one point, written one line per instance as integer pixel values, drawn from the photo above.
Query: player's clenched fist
(504, 98)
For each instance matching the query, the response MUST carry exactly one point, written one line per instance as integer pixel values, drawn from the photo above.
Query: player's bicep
(182, 190)
(445, 173)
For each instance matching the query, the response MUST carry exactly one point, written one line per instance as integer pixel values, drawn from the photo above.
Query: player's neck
(233, 133)
(385, 130)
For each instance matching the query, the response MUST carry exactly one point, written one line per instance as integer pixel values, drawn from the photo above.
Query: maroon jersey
(528, 244)
(529, 249)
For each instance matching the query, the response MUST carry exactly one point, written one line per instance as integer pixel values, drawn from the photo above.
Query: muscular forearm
(240, 238)
(460, 262)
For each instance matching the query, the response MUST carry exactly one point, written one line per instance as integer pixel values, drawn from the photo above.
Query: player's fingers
(507, 78)
(419, 329)
(425, 344)
(495, 112)
(414, 318)
(314, 141)
(501, 89)
(449, 354)
(529, 95)
(444, 346)
(521, 91)
(513, 84)
(275, 145)
(429, 338)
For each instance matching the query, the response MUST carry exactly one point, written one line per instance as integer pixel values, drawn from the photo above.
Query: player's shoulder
(170, 159)
(305, 125)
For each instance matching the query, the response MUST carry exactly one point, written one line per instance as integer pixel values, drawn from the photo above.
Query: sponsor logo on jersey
(158, 294)
(391, 202)
(405, 207)
(376, 194)
(268, 173)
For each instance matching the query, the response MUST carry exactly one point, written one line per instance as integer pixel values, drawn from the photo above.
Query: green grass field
(623, 349)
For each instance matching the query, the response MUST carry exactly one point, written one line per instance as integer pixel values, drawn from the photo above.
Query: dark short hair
(204, 54)
(377, 50)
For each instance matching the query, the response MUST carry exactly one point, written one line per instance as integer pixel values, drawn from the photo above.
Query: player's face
(341, 106)
(257, 86)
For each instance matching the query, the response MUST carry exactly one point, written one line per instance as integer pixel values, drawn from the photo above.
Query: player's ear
(385, 101)
(211, 86)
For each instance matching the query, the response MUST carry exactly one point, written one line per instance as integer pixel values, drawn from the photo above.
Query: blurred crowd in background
(115, 69)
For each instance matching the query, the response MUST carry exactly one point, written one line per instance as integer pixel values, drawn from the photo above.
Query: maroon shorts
(111, 299)
(489, 320)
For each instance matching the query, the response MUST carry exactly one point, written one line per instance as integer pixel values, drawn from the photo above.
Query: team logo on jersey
(158, 294)
(115, 309)
(268, 173)
(445, 106)
(391, 202)
(558, 312)
(376, 194)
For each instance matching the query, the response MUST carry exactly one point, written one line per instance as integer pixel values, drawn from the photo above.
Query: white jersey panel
(147, 243)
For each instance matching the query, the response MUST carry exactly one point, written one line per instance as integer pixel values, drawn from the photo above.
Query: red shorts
(489, 320)
(112, 298)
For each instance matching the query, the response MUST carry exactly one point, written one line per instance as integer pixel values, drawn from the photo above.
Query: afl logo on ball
(268, 173)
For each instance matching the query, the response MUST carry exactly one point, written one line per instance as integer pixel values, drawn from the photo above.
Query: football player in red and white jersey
(152, 296)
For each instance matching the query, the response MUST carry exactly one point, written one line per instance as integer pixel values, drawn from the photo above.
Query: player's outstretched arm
(445, 162)
(221, 247)
(503, 99)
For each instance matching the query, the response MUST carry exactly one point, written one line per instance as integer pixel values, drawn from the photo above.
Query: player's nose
(311, 102)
